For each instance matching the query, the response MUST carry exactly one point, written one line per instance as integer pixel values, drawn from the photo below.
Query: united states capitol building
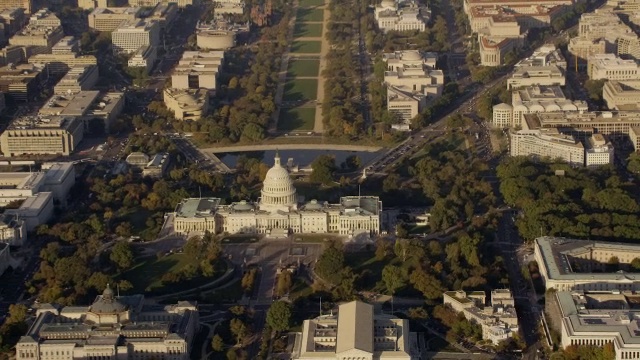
(279, 212)
(113, 327)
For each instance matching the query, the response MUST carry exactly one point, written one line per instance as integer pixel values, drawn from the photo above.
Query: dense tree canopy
(279, 316)
(579, 202)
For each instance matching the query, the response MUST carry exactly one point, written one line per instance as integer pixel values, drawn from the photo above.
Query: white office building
(132, 35)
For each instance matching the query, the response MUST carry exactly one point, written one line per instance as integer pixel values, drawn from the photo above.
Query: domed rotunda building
(277, 188)
(279, 212)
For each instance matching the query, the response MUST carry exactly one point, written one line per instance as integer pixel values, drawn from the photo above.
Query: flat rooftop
(76, 104)
(555, 252)
(196, 207)
(605, 314)
(559, 119)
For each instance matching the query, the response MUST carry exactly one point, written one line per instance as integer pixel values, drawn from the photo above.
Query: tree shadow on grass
(146, 275)
(290, 120)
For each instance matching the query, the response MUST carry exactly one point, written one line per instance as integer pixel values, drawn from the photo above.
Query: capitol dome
(277, 188)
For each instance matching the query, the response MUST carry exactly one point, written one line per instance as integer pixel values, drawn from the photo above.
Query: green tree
(279, 316)
(217, 344)
(633, 163)
(394, 278)
(283, 284)
(418, 313)
(352, 162)
(391, 182)
(594, 89)
(330, 264)
(121, 254)
(249, 279)
(238, 329)
(322, 169)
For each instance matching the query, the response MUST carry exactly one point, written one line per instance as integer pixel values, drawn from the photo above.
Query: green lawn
(228, 294)
(301, 118)
(308, 68)
(315, 238)
(306, 47)
(307, 30)
(307, 14)
(301, 89)
(146, 275)
(309, 3)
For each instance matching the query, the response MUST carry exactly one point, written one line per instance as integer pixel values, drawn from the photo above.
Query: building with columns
(279, 212)
(113, 327)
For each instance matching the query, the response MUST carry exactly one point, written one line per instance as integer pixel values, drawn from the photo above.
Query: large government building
(113, 327)
(279, 212)
(355, 333)
(571, 264)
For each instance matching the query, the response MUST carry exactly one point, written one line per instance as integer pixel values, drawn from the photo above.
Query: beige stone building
(355, 333)
(132, 35)
(41, 135)
(600, 32)
(614, 125)
(11, 21)
(634, 136)
(547, 143)
(405, 105)
(499, 321)
(151, 3)
(581, 47)
(536, 75)
(622, 95)
(144, 57)
(412, 80)
(533, 99)
(21, 82)
(92, 4)
(165, 13)
(401, 15)
(12, 4)
(197, 70)
(42, 32)
(54, 178)
(278, 212)
(598, 151)
(34, 210)
(611, 67)
(571, 264)
(187, 104)
(13, 231)
(545, 55)
(87, 106)
(58, 63)
(599, 318)
(113, 326)
(77, 79)
(213, 39)
(110, 18)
